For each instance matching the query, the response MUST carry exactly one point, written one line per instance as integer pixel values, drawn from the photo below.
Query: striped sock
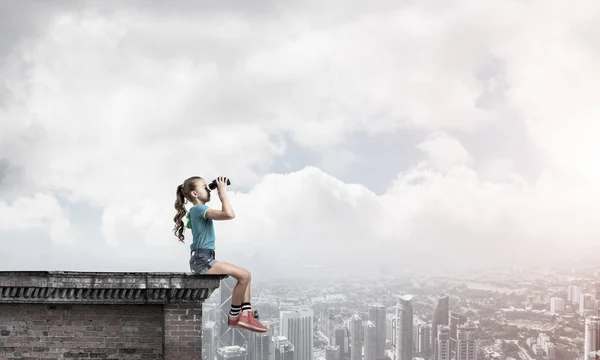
(246, 307)
(235, 310)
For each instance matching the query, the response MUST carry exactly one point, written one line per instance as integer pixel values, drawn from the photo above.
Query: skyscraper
(586, 305)
(209, 341)
(370, 340)
(404, 328)
(378, 318)
(297, 327)
(356, 337)
(440, 317)
(557, 305)
(423, 339)
(390, 329)
(466, 343)
(340, 338)
(573, 294)
(258, 346)
(592, 338)
(442, 351)
(283, 349)
(456, 320)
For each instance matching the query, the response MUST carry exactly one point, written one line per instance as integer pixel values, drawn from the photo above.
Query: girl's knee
(244, 276)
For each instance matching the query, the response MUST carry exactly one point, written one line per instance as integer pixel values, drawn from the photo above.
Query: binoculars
(213, 184)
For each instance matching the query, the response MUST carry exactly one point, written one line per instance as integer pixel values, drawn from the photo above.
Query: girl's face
(201, 192)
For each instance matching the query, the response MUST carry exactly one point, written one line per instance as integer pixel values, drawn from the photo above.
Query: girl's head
(194, 190)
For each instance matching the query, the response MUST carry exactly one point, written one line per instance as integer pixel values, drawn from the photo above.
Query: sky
(361, 138)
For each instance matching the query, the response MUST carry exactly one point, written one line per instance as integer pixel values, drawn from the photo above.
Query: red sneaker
(250, 322)
(233, 320)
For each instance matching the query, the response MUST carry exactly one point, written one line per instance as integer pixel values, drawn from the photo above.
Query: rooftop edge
(105, 287)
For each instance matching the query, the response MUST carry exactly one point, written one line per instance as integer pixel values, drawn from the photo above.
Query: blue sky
(399, 136)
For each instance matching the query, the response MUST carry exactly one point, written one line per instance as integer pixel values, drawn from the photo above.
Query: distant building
(440, 317)
(592, 338)
(404, 328)
(297, 327)
(557, 305)
(467, 344)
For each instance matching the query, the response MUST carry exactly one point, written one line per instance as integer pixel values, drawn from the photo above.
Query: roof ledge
(105, 287)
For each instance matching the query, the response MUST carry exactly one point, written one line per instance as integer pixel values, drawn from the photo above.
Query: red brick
(65, 333)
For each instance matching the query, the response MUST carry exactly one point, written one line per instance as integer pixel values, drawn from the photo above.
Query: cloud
(430, 220)
(39, 212)
(445, 151)
(114, 107)
(553, 79)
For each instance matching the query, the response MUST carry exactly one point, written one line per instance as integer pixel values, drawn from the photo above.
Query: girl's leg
(247, 294)
(240, 299)
(241, 289)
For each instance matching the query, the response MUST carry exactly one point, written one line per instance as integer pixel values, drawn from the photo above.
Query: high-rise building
(332, 352)
(442, 350)
(557, 305)
(573, 294)
(586, 305)
(404, 328)
(390, 329)
(456, 320)
(258, 346)
(592, 338)
(356, 337)
(544, 347)
(467, 344)
(425, 340)
(377, 317)
(283, 348)
(297, 327)
(325, 322)
(209, 340)
(370, 340)
(440, 317)
(232, 353)
(340, 338)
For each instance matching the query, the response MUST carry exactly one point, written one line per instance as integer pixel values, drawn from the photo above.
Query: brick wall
(102, 315)
(32, 331)
(183, 331)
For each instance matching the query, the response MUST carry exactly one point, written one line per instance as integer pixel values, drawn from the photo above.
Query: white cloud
(116, 111)
(39, 212)
(429, 220)
(554, 79)
(445, 151)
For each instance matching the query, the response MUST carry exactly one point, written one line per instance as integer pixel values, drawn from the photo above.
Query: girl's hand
(222, 184)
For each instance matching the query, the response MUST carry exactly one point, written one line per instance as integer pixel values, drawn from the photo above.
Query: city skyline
(495, 316)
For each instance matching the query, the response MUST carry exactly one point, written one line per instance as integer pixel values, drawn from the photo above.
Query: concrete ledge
(105, 287)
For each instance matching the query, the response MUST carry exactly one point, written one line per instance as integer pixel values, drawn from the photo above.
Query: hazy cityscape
(513, 313)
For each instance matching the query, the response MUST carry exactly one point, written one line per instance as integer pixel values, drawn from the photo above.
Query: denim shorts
(201, 260)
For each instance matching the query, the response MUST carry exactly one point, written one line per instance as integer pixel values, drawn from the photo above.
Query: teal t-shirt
(203, 231)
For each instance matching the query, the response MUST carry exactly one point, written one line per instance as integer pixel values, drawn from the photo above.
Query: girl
(202, 261)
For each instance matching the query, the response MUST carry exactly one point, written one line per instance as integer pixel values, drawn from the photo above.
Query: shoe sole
(251, 327)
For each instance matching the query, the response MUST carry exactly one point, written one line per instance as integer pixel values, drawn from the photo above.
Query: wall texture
(102, 315)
